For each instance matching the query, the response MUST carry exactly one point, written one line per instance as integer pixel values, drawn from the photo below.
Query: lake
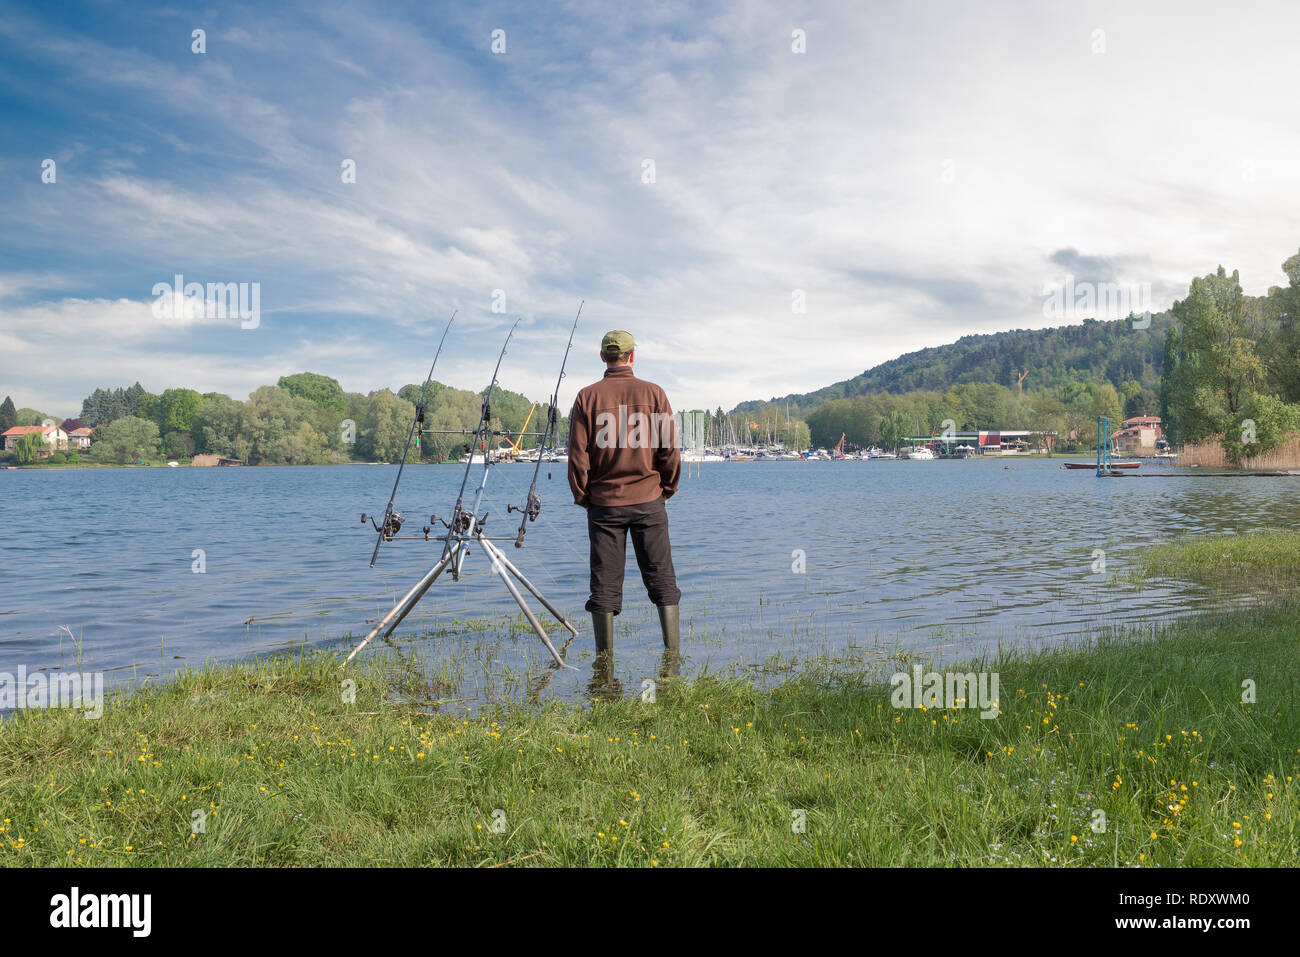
(946, 557)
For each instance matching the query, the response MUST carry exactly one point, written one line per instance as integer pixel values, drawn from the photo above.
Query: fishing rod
(392, 523)
(466, 527)
(532, 506)
(462, 523)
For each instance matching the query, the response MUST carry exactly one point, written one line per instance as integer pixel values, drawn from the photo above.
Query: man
(624, 465)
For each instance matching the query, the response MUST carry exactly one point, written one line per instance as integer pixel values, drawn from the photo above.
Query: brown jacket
(622, 442)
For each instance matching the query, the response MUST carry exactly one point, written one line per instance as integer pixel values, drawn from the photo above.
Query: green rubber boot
(602, 625)
(670, 624)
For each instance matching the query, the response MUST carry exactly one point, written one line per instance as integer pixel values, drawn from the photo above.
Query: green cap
(616, 343)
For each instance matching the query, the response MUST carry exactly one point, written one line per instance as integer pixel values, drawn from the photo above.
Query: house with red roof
(1140, 435)
(56, 440)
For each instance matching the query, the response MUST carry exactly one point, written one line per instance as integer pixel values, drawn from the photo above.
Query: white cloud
(1166, 155)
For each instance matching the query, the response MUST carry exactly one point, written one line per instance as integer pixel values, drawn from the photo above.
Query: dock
(1197, 473)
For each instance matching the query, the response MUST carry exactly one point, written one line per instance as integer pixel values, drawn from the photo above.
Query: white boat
(918, 452)
(553, 457)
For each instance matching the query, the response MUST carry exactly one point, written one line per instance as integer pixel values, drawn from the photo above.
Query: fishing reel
(532, 509)
(392, 525)
(460, 523)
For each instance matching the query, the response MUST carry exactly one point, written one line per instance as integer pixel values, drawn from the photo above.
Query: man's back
(623, 465)
(622, 442)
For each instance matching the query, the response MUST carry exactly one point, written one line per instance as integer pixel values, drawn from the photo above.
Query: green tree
(126, 440)
(139, 401)
(104, 406)
(99, 408)
(178, 409)
(319, 390)
(1266, 423)
(217, 426)
(509, 410)
(1144, 402)
(893, 428)
(1105, 401)
(1282, 348)
(29, 448)
(178, 445)
(381, 434)
(272, 430)
(8, 414)
(1213, 372)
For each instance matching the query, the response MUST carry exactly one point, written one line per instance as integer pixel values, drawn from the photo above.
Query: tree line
(1042, 360)
(1218, 365)
(1071, 411)
(304, 419)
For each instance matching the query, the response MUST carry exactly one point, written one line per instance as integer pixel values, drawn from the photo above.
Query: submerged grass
(1263, 556)
(1136, 750)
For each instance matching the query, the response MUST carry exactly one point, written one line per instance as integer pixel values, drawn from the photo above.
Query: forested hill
(1092, 351)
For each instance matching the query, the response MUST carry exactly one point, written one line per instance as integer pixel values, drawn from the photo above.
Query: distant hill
(1096, 351)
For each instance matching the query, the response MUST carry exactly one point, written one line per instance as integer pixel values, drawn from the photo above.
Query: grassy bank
(1150, 732)
(1262, 556)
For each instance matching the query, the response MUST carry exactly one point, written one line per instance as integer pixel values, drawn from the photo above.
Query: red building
(1139, 436)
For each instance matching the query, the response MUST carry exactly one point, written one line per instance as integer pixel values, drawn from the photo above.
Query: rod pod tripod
(501, 565)
(466, 525)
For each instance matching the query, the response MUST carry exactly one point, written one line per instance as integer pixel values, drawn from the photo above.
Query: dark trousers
(607, 527)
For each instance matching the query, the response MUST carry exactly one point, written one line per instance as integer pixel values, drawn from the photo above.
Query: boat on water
(1093, 465)
(553, 456)
(918, 452)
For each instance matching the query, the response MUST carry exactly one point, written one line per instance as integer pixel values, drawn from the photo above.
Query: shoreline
(1165, 470)
(1145, 726)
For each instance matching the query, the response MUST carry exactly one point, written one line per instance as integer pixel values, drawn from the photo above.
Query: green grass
(1265, 556)
(711, 773)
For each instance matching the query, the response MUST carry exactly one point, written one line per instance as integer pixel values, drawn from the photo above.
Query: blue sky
(921, 172)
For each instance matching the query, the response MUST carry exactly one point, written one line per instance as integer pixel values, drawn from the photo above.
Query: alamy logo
(952, 689)
(638, 430)
(103, 910)
(65, 690)
(1098, 300)
(217, 300)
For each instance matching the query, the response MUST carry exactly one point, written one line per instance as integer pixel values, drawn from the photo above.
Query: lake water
(946, 557)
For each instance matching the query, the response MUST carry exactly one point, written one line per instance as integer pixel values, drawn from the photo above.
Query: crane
(513, 451)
